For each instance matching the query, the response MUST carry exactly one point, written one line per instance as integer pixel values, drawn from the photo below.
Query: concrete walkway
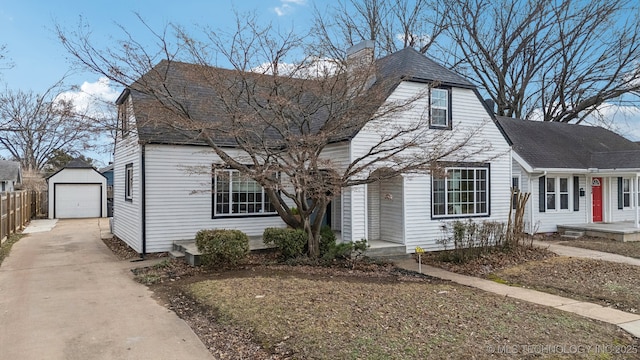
(563, 250)
(64, 295)
(627, 321)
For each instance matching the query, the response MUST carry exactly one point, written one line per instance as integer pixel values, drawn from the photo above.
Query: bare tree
(33, 126)
(274, 115)
(391, 24)
(5, 63)
(563, 59)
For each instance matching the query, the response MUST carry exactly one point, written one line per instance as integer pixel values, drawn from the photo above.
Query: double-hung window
(557, 193)
(236, 194)
(128, 182)
(439, 109)
(626, 193)
(462, 192)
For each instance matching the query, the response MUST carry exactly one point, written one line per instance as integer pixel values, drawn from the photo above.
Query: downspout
(143, 203)
(637, 199)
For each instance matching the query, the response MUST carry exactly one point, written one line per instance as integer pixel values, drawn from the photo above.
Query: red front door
(596, 194)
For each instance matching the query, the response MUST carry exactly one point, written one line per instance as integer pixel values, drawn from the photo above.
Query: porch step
(394, 252)
(175, 254)
(190, 251)
(572, 234)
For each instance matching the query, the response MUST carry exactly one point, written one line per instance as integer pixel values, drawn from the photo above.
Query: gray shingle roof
(78, 164)
(9, 170)
(554, 145)
(408, 63)
(186, 83)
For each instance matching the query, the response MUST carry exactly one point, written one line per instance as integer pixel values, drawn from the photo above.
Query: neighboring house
(159, 197)
(10, 175)
(108, 173)
(77, 190)
(575, 174)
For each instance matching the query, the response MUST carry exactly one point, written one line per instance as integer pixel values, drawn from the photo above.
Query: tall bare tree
(391, 24)
(275, 114)
(33, 126)
(558, 60)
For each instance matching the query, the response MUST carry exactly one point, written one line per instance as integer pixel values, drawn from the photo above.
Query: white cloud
(313, 68)
(417, 40)
(92, 98)
(286, 6)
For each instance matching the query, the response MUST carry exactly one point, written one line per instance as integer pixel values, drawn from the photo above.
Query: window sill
(237, 216)
(462, 216)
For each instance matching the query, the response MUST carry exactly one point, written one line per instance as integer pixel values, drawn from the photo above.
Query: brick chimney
(361, 56)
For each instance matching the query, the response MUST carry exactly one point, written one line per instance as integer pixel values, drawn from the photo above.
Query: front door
(596, 194)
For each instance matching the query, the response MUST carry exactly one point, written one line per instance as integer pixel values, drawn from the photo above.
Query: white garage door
(77, 201)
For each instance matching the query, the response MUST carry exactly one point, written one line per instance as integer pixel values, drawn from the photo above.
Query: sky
(39, 60)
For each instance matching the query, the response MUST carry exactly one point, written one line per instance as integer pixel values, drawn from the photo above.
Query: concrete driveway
(64, 295)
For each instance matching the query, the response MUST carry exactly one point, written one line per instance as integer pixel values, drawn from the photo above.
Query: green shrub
(327, 239)
(290, 242)
(221, 246)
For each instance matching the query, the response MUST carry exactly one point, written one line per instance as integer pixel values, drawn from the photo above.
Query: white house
(159, 198)
(10, 175)
(576, 174)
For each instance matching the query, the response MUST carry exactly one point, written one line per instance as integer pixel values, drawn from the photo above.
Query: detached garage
(77, 191)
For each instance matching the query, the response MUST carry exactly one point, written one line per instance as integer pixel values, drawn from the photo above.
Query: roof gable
(554, 145)
(10, 170)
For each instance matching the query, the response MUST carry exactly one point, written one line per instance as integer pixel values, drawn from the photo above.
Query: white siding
(346, 214)
(391, 223)
(127, 215)
(468, 114)
(373, 204)
(547, 221)
(625, 214)
(179, 201)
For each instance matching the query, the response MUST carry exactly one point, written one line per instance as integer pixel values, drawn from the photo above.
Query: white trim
(522, 162)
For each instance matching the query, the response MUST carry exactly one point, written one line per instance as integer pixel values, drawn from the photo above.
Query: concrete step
(190, 251)
(572, 234)
(175, 254)
(386, 252)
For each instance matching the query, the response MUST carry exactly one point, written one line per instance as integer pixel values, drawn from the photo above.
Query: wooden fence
(18, 208)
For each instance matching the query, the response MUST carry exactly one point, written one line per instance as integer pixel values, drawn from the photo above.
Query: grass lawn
(607, 283)
(631, 249)
(339, 317)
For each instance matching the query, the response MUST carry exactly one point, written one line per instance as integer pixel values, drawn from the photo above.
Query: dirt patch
(631, 249)
(124, 252)
(488, 263)
(606, 283)
(265, 310)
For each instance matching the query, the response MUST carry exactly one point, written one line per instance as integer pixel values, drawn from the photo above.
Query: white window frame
(628, 193)
(517, 179)
(434, 106)
(454, 209)
(128, 182)
(264, 202)
(558, 194)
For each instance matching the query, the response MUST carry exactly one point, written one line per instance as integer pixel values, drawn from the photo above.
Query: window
(515, 187)
(123, 119)
(564, 194)
(235, 194)
(440, 115)
(551, 193)
(626, 193)
(557, 193)
(128, 182)
(462, 192)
